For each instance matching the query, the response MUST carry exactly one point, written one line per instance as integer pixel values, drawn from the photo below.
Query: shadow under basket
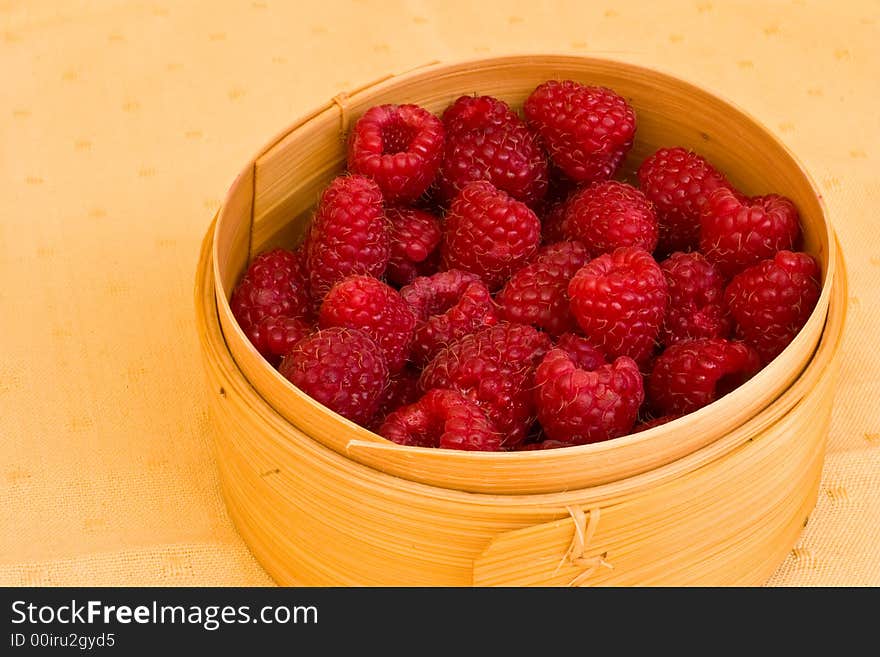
(717, 497)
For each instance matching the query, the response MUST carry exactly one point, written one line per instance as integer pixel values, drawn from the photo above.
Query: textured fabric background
(122, 123)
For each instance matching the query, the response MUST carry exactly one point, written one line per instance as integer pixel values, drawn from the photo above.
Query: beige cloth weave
(124, 122)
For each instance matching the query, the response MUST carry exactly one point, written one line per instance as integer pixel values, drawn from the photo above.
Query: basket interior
(270, 205)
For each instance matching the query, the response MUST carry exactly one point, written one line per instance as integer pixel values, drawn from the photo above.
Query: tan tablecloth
(124, 122)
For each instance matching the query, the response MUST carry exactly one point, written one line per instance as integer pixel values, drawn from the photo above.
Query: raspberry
(656, 422)
(400, 147)
(537, 294)
(544, 444)
(415, 236)
(274, 285)
(736, 233)
(274, 337)
(553, 222)
(771, 301)
(477, 113)
(581, 406)
(696, 299)
(445, 419)
(610, 214)
(689, 375)
(489, 234)
(368, 304)
(341, 368)
(402, 390)
(582, 353)
(499, 148)
(348, 235)
(493, 367)
(678, 182)
(587, 130)
(448, 306)
(619, 300)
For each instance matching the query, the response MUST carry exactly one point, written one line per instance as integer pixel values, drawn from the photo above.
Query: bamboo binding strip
(726, 514)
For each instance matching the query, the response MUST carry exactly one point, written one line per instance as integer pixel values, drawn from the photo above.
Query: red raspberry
(656, 422)
(477, 113)
(274, 337)
(581, 352)
(349, 234)
(499, 148)
(489, 234)
(445, 419)
(368, 304)
(610, 214)
(771, 301)
(273, 286)
(415, 236)
(586, 406)
(402, 390)
(696, 299)
(587, 130)
(737, 233)
(537, 294)
(448, 305)
(619, 300)
(494, 368)
(544, 444)
(400, 147)
(678, 182)
(553, 222)
(689, 375)
(341, 368)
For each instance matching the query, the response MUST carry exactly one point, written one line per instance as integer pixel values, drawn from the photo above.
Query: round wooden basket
(716, 497)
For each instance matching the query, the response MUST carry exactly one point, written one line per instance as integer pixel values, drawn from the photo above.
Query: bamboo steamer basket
(716, 497)
(270, 204)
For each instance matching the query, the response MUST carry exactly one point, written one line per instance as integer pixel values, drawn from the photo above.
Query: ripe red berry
(553, 222)
(736, 233)
(415, 238)
(656, 422)
(577, 405)
(543, 444)
(274, 285)
(445, 419)
(489, 234)
(477, 113)
(610, 214)
(619, 300)
(448, 306)
(582, 353)
(348, 235)
(696, 299)
(690, 375)
(678, 182)
(497, 147)
(770, 302)
(402, 390)
(368, 304)
(586, 130)
(537, 294)
(400, 147)
(341, 368)
(493, 367)
(274, 337)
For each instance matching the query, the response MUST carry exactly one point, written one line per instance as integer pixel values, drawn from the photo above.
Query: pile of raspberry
(480, 280)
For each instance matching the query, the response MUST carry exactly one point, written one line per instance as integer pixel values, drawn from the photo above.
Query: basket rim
(497, 459)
